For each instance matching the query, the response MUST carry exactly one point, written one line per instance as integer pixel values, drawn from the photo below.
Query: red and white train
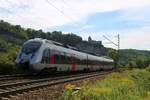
(41, 54)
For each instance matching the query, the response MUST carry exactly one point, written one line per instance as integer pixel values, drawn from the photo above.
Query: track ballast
(19, 87)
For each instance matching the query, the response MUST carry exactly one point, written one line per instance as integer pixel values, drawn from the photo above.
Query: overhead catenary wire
(52, 5)
(60, 11)
(110, 40)
(64, 14)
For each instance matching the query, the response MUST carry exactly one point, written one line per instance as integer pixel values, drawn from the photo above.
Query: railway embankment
(129, 85)
(52, 91)
(20, 88)
(125, 85)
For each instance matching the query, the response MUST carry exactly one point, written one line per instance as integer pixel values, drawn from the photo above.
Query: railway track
(16, 75)
(12, 77)
(19, 87)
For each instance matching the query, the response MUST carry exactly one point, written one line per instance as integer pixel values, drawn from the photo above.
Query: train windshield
(31, 47)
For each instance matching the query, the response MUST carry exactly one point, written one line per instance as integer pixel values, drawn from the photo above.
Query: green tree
(140, 63)
(114, 55)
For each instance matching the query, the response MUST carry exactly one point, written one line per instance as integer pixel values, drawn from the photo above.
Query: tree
(114, 55)
(132, 64)
(72, 39)
(140, 63)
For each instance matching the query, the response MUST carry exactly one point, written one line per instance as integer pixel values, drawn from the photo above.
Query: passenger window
(68, 58)
(57, 57)
(63, 57)
(45, 57)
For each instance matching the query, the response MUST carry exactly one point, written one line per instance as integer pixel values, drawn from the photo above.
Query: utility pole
(118, 41)
(116, 44)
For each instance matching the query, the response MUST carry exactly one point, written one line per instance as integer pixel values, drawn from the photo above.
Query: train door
(74, 64)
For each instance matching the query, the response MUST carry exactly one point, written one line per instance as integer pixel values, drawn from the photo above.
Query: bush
(148, 68)
(7, 60)
(131, 86)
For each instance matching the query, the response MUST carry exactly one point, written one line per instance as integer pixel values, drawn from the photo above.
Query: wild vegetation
(130, 58)
(131, 85)
(13, 36)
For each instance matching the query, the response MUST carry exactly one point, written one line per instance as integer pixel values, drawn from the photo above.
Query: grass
(132, 85)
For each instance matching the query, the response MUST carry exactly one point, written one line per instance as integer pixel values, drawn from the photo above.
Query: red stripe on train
(74, 65)
(52, 59)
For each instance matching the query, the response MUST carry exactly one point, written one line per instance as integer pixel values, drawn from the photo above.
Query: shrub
(7, 61)
(148, 68)
(132, 86)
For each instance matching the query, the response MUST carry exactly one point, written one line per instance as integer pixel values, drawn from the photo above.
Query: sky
(96, 18)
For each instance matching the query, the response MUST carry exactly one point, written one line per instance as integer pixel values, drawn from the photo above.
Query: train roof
(71, 49)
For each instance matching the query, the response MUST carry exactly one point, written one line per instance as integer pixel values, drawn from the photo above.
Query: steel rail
(13, 88)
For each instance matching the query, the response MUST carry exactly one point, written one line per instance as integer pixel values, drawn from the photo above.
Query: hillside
(15, 34)
(134, 58)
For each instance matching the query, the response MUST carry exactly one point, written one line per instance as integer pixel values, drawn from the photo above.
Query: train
(46, 55)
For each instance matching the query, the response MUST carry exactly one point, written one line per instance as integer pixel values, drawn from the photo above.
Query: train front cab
(27, 54)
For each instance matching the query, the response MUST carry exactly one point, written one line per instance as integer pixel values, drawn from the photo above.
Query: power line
(52, 5)
(64, 2)
(68, 17)
(107, 43)
(109, 40)
(60, 11)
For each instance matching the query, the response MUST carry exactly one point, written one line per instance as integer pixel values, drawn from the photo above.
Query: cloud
(136, 38)
(40, 14)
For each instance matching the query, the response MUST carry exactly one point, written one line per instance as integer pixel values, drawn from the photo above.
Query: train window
(100, 63)
(77, 60)
(63, 57)
(74, 59)
(82, 61)
(31, 47)
(57, 57)
(96, 62)
(59, 53)
(91, 62)
(68, 58)
(45, 57)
